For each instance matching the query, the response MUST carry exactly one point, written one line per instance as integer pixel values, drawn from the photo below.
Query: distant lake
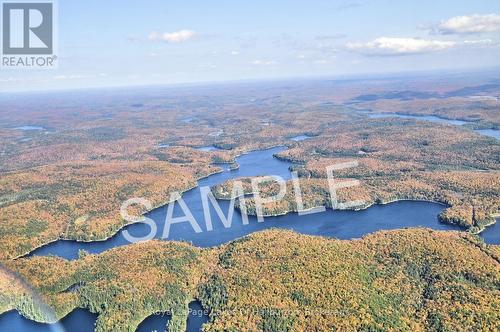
(300, 138)
(489, 132)
(26, 128)
(187, 120)
(208, 148)
(431, 118)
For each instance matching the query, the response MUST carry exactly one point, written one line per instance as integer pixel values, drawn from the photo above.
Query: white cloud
(470, 24)
(399, 46)
(480, 42)
(172, 37)
(77, 76)
(235, 53)
(263, 62)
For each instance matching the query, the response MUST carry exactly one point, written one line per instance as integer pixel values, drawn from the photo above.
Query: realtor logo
(28, 34)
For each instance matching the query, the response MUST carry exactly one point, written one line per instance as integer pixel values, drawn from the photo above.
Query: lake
(489, 132)
(431, 118)
(330, 223)
(81, 320)
(78, 320)
(195, 320)
(338, 224)
(208, 148)
(28, 128)
(300, 138)
(491, 234)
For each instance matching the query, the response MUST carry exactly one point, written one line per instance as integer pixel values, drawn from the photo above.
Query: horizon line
(340, 77)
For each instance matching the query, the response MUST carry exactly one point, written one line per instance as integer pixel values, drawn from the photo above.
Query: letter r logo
(27, 28)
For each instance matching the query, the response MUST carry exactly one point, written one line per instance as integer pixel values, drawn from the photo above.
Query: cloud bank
(399, 46)
(172, 37)
(470, 24)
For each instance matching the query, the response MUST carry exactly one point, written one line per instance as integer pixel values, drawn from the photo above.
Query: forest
(403, 280)
(68, 177)
(65, 170)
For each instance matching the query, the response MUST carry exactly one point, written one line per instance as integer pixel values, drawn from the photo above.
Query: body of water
(25, 128)
(79, 320)
(339, 224)
(430, 118)
(208, 148)
(335, 224)
(486, 132)
(491, 234)
(489, 132)
(300, 138)
(195, 320)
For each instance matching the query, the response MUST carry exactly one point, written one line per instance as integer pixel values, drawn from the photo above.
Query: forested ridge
(414, 279)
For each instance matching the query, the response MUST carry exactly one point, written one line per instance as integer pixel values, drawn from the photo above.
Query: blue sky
(115, 43)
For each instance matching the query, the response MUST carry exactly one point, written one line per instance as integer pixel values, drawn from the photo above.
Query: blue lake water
(431, 118)
(195, 320)
(489, 132)
(335, 224)
(300, 138)
(491, 234)
(339, 224)
(187, 120)
(155, 323)
(252, 164)
(26, 128)
(208, 148)
(79, 320)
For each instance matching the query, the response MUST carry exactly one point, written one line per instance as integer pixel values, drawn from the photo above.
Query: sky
(127, 43)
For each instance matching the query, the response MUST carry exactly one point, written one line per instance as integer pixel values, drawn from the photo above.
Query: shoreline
(464, 229)
(285, 212)
(485, 227)
(62, 238)
(473, 125)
